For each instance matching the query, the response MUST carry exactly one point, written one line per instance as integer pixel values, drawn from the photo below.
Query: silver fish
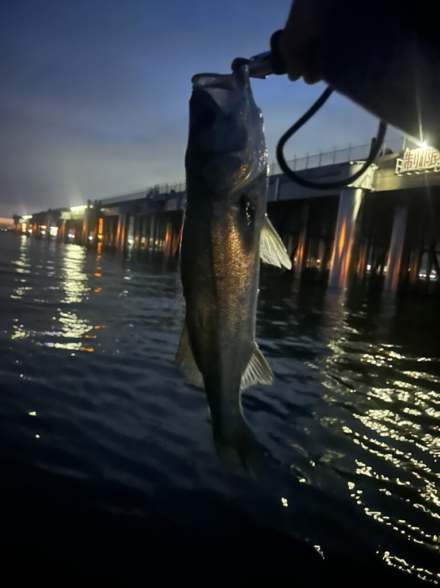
(225, 233)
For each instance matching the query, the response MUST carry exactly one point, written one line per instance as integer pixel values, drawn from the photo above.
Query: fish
(225, 233)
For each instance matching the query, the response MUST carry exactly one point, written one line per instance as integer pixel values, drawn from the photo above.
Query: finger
(298, 42)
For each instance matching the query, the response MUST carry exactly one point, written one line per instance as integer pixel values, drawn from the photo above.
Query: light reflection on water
(400, 428)
(74, 280)
(66, 329)
(351, 425)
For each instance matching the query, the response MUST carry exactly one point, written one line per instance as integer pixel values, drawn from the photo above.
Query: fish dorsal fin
(272, 249)
(185, 359)
(258, 371)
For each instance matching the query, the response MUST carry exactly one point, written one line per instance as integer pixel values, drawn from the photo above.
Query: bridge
(383, 229)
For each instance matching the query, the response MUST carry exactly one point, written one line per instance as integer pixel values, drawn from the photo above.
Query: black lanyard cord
(376, 145)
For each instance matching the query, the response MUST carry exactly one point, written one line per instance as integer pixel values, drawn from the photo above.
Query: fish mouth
(221, 120)
(224, 89)
(237, 80)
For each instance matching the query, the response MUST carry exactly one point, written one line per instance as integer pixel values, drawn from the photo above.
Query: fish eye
(247, 209)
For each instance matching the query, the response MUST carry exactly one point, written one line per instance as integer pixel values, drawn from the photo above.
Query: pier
(383, 231)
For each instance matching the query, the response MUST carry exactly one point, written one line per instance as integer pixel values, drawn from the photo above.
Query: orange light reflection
(88, 349)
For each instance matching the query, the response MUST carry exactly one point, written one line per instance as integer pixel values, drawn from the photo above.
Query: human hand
(298, 43)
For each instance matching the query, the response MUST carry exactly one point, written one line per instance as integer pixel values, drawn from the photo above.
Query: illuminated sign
(419, 160)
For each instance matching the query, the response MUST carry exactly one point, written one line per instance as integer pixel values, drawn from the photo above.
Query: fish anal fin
(258, 370)
(185, 359)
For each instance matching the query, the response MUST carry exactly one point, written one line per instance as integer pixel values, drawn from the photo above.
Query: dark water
(107, 461)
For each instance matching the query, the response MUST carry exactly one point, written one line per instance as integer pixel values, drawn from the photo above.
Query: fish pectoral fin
(185, 359)
(272, 249)
(258, 371)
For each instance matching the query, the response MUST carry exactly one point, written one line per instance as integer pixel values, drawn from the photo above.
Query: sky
(94, 94)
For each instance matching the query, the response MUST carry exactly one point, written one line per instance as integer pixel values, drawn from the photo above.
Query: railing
(351, 153)
(116, 199)
(320, 159)
(142, 194)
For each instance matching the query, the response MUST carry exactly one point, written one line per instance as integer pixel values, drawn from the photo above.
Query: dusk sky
(94, 95)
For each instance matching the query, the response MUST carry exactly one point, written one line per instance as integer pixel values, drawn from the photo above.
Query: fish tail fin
(242, 449)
